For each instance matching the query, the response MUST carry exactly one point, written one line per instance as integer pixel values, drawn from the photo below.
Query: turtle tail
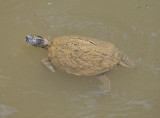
(126, 62)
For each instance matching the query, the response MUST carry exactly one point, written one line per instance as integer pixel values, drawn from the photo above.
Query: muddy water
(28, 89)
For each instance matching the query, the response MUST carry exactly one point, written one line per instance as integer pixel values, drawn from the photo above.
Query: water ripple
(6, 110)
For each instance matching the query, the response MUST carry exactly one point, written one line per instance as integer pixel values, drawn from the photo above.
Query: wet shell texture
(82, 55)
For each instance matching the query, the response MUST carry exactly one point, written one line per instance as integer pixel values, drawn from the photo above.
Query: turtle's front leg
(47, 64)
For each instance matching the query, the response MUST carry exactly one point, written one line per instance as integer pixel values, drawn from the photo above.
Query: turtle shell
(82, 55)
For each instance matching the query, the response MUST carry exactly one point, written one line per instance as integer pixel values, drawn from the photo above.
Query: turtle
(80, 55)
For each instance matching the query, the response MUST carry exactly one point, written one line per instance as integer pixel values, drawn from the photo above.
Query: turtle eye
(40, 41)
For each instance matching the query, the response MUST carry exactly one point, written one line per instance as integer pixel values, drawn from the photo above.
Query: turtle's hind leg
(126, 62)
(105, 82)
(47, 64)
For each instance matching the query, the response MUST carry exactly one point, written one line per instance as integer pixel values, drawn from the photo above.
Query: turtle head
(38, 41)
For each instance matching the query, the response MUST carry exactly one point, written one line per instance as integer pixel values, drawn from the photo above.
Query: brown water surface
(29, 90)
